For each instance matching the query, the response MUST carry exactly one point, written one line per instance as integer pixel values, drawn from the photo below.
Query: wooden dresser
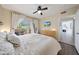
(49, 33)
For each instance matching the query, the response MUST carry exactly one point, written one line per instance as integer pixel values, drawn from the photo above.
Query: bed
(35, 44)
(31, 44)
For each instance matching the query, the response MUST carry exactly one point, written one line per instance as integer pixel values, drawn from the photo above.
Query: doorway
(67, 31)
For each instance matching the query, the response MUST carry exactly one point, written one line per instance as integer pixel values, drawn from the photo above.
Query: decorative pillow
(14, 39)
(2, 36)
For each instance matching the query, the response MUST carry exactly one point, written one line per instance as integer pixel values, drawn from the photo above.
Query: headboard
(49, 33)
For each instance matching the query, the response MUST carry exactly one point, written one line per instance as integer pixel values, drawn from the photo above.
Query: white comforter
(36, 44)
(6, 48)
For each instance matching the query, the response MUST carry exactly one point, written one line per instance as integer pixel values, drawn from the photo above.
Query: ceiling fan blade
(39, 8)
(44, 8)
(41, 13)
(35, 12)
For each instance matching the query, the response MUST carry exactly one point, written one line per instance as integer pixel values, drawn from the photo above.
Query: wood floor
(67, 49)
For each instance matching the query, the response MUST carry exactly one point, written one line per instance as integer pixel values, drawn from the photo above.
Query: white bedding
(2, 36)
(6, 48)
(14, 39)
(36, 44)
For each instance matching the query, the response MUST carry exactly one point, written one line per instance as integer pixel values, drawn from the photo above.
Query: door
(66, 30)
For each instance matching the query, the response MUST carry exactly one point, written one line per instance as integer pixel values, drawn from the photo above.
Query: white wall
(77, 31)
(5, 17)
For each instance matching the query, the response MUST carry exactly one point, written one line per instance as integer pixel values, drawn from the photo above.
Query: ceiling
(28, 9)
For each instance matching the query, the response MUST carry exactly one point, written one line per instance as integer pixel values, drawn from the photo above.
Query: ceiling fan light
(39, 12)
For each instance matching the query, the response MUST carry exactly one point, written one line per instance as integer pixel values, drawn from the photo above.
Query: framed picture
(47, 23)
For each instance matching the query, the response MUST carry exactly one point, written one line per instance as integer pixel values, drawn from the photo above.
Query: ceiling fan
(40, 9)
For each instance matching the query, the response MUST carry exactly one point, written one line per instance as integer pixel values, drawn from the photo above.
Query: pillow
(14, 39)
(2, 36)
